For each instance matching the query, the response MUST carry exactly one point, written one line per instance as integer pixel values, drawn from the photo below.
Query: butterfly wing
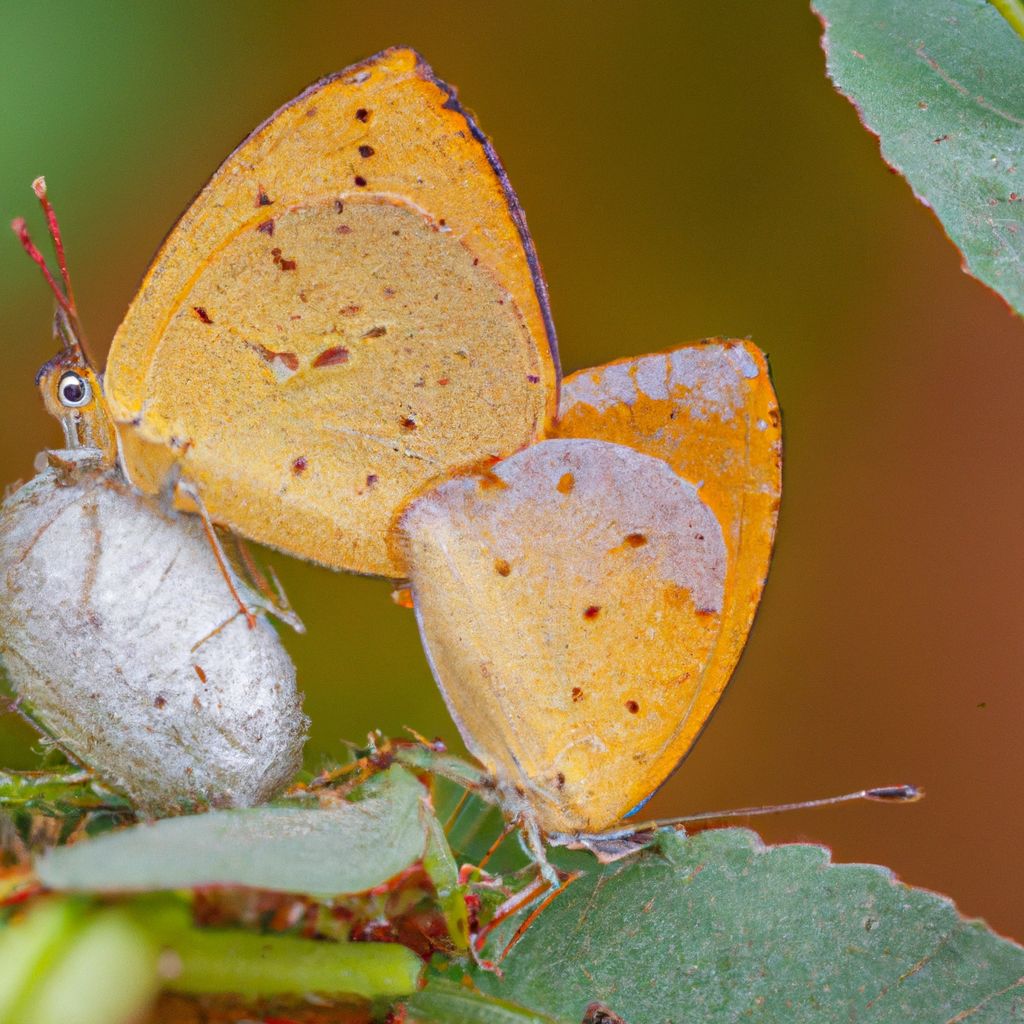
(569, 602)
(351, 307)
(709, 410)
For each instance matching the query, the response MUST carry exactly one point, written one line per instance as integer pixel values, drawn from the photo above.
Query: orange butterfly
(351, 307)
(585, 602)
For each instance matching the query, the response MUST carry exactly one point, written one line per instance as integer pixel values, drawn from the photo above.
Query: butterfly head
(72, 392)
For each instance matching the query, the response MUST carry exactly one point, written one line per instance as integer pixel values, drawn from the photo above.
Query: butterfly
(584, 602)
(351, 308)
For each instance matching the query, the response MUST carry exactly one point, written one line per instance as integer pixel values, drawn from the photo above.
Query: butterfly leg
(535, 913)
(192, 493)
(513, 905)
(277, 600)
(533, 846)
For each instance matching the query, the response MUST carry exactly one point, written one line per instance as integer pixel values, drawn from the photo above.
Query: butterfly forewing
(350, 308)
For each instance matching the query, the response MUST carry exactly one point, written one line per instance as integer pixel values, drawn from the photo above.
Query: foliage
(330, 898)
(341, 847)
(941, 85)
(717, 926)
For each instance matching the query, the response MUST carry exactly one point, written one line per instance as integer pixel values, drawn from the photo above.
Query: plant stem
(266, 965)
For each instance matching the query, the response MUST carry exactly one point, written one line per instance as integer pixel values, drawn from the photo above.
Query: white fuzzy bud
(123, 642)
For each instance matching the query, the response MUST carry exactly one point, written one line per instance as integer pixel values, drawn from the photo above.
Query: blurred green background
(687, 170)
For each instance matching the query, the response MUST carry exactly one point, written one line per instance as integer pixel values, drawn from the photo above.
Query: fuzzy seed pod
(124, 644)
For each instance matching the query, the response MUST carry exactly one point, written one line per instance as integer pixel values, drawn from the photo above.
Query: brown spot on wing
(202, 314)
(288, 359)
(283, 264)
(501, 567)
(376, 332)
(331, 357)
(299, 465)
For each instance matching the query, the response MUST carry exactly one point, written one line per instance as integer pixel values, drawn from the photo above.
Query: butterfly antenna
(68, 323)
(879, 794)
(39, 187)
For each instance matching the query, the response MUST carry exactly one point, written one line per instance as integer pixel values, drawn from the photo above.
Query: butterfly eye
(74, 391)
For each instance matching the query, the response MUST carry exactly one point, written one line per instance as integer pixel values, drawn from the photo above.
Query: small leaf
(443, 1002)
(719, 927)
(347, 848)
(942, 85)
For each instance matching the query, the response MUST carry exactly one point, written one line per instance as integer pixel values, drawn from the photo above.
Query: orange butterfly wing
(568, 602)
(710, 411)
(350, 308)
(584, 605)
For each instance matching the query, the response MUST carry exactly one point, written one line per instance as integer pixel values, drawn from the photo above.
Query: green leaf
(720, 927)
(941, 83)
(28, 947)
(443, 1002)
(346, 848)
(1013, 12)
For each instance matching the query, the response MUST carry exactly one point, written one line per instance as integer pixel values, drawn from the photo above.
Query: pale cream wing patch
(568, 602)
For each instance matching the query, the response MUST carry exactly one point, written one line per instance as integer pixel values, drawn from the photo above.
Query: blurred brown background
(687, 170)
